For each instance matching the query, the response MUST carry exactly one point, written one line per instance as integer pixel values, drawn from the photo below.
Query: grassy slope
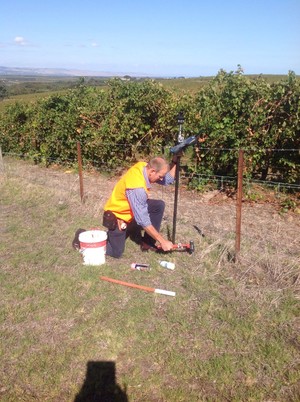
(190, 85)
(218, 339)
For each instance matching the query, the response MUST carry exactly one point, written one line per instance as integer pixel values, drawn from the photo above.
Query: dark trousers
(116, 238)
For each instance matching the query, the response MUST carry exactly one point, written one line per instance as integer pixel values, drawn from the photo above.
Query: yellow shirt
(118, 202)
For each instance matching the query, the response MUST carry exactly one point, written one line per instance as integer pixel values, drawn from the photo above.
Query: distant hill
(56, 72)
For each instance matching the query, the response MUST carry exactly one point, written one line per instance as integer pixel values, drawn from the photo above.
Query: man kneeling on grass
(129, 209)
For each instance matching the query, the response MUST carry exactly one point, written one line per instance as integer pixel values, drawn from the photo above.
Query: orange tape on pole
(131, 285)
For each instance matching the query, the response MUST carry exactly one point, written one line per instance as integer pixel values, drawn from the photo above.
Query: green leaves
(237, 112)
(135, 119)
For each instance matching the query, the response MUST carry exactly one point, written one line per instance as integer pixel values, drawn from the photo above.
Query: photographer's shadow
(100, 384)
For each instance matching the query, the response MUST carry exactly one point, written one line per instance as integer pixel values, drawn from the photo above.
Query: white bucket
(93, 247)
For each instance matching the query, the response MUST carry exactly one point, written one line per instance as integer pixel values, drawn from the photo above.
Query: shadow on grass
(100, 384)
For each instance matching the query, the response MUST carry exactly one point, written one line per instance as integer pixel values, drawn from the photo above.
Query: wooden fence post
(1, 162)
(80, 171)
(239, 204)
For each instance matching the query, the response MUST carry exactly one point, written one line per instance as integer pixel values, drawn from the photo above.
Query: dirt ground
(270, 240)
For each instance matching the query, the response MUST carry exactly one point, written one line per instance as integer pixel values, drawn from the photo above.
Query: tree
(3, 92)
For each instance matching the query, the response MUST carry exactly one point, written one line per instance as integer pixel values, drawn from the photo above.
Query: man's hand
(176, 156)
(166, 245)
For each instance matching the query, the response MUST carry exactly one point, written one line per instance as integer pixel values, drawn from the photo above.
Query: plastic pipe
(141, 287)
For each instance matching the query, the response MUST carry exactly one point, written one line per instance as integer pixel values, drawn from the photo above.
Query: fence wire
(220, 181)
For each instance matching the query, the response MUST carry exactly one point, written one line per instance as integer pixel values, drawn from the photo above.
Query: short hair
(158, 163)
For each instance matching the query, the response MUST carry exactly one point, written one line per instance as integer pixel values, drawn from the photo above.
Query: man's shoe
(76, 242)
(147, 247)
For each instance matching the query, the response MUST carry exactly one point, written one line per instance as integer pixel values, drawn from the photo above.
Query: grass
(220, 339)
(187, 85)
(27, 98)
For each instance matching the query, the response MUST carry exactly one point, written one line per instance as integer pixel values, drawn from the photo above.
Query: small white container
(167, 264)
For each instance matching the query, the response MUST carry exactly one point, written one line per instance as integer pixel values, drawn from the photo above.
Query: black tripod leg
(176, 198)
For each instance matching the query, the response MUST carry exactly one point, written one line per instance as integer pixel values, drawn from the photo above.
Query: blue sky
(158, 37)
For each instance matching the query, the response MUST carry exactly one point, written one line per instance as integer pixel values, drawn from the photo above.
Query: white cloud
(20, 41)
(95, 44)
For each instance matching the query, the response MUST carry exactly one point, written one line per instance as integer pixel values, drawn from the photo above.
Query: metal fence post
(80, 170)
(1, 162)
(239, 204)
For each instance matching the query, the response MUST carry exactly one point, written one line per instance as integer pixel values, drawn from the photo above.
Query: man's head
(157, 168)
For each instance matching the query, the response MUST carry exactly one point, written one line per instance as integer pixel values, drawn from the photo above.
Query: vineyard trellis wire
(89, 167)
(219, 180)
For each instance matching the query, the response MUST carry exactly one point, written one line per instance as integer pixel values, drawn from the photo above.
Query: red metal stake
(80, 170)
(239, 204)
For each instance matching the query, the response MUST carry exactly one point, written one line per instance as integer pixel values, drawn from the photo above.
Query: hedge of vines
(131, 120)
